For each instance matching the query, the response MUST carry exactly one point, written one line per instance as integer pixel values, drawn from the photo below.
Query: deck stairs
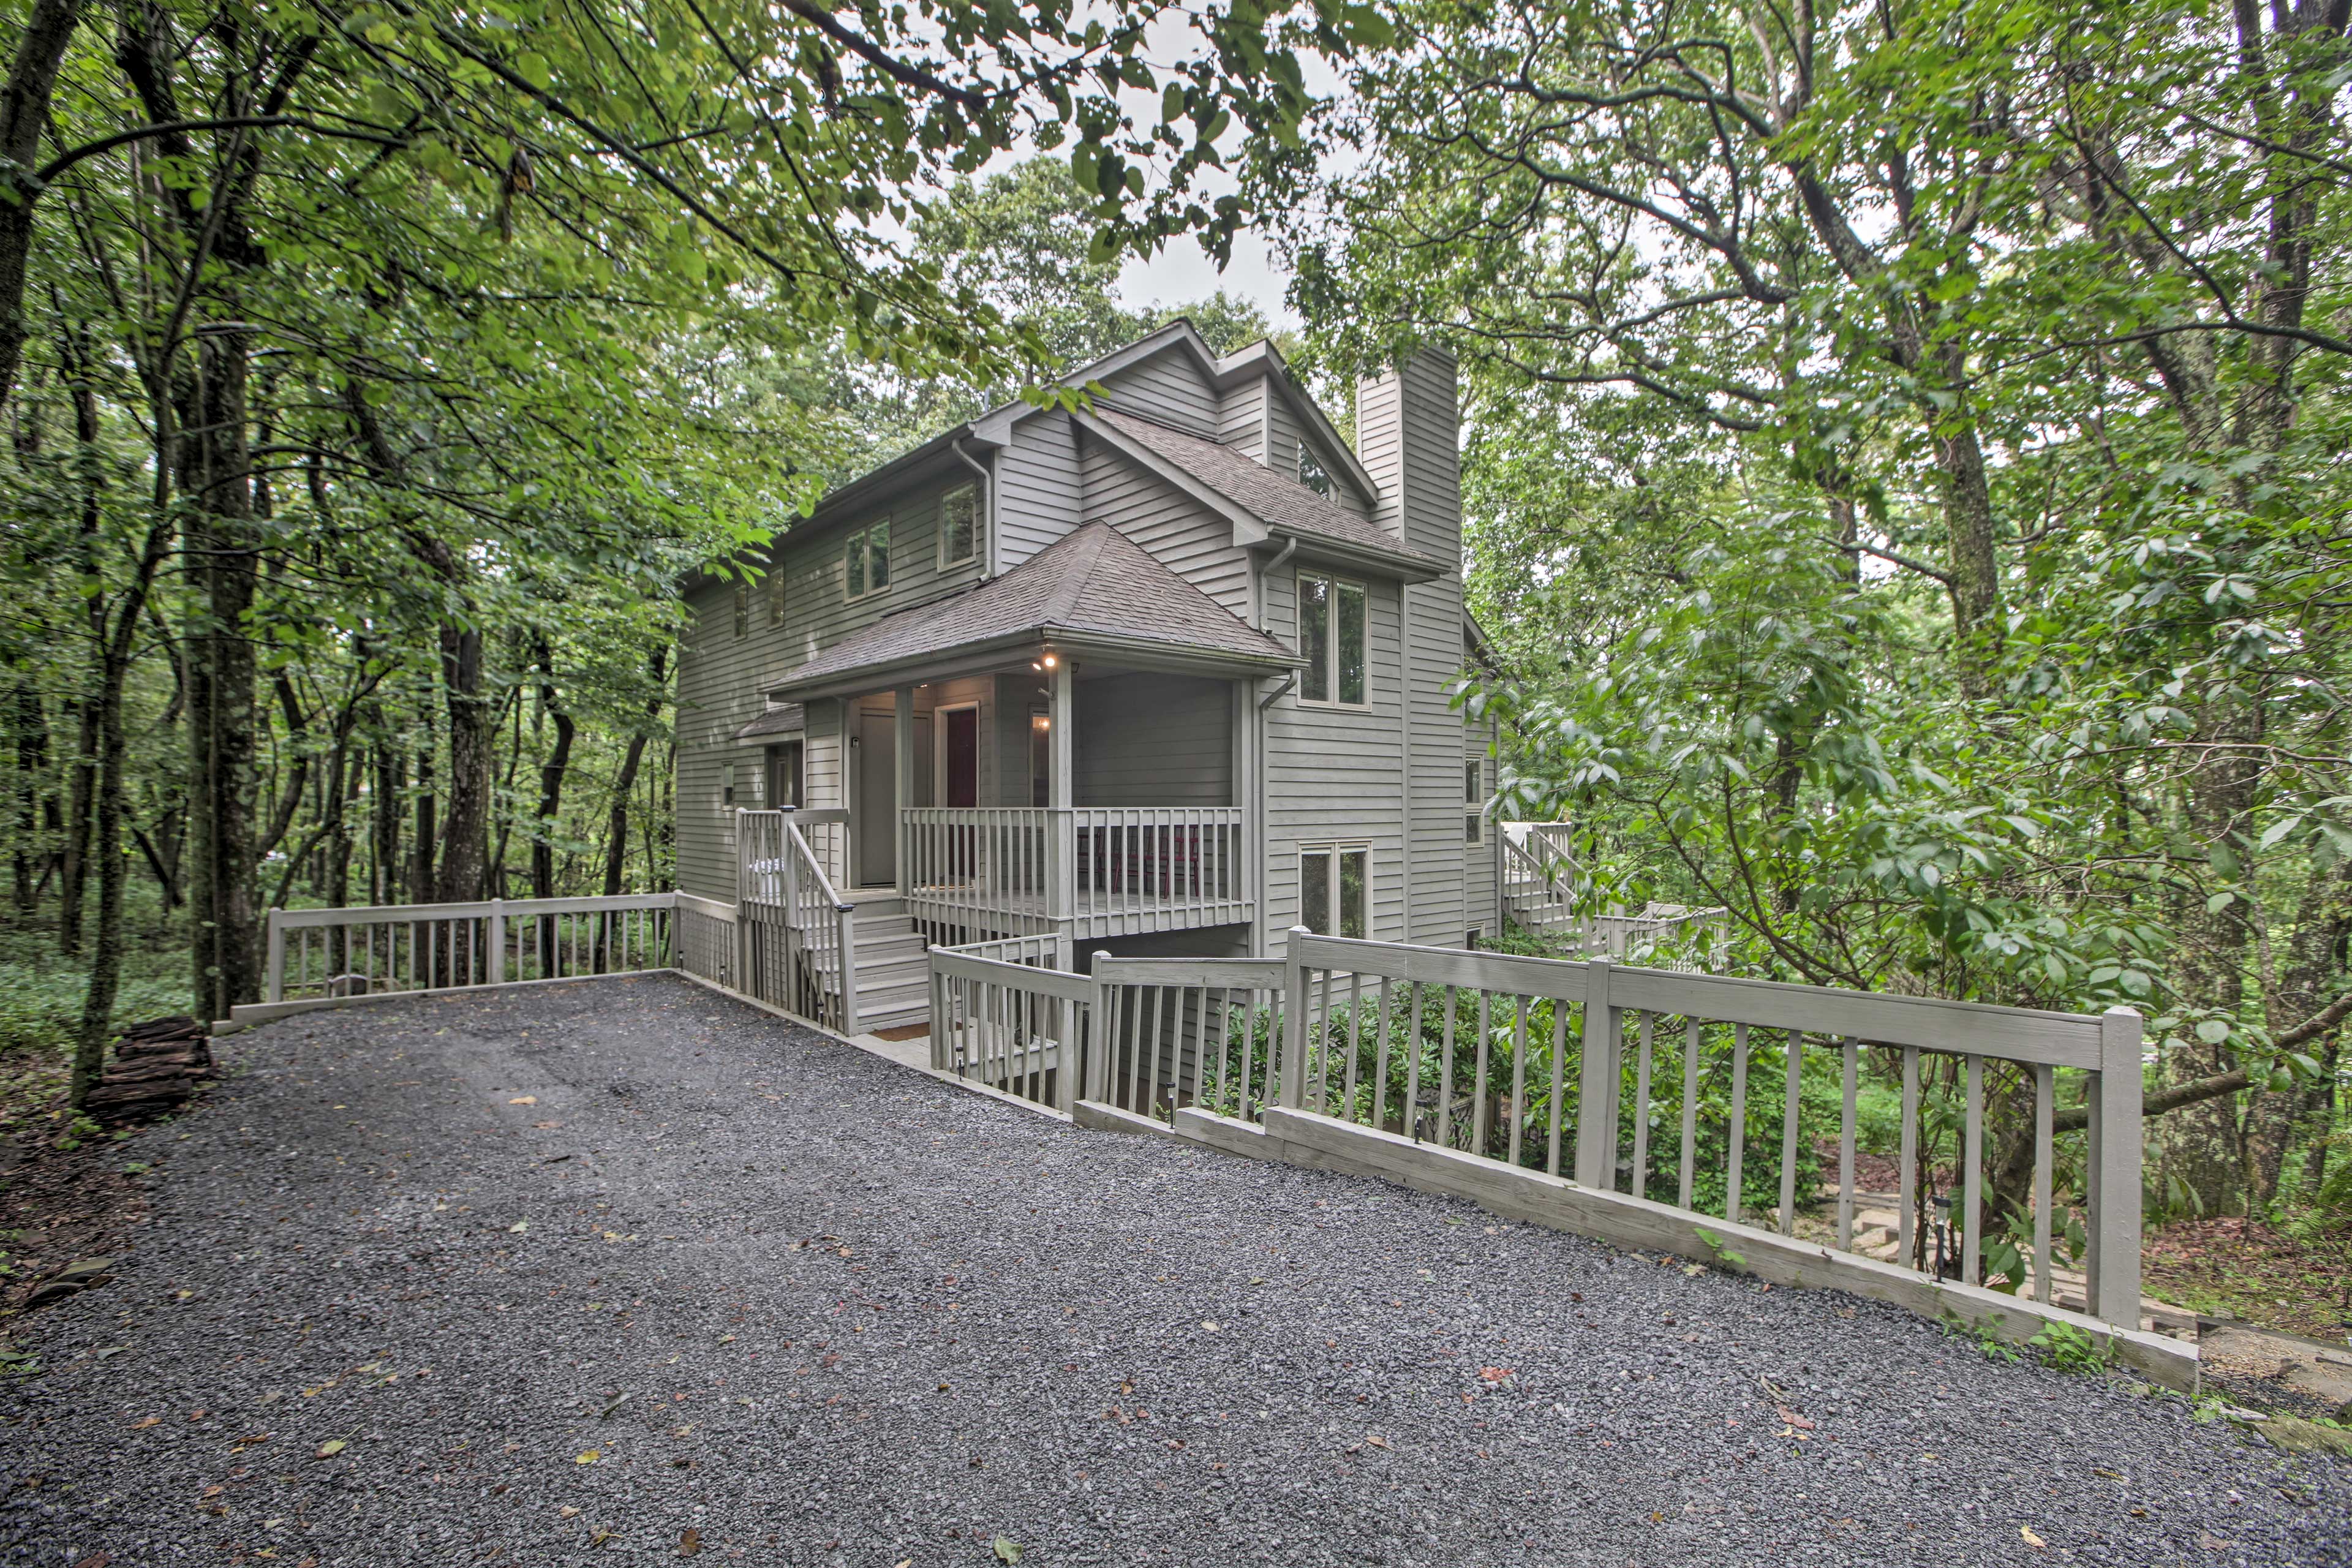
(894, 976)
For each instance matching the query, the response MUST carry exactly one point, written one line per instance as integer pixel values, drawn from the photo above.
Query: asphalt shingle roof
(1280, 503)
(1095, 579)
(781, 720)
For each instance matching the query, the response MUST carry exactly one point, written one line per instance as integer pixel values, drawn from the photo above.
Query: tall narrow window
(784, 775)
(1335, 889)
(776, 590)
(959, 525)
(1311, 473)
(726, 784)
(1473, 797)
(743, 607)
(1315, 637)
(866, 560)
(1334, 641)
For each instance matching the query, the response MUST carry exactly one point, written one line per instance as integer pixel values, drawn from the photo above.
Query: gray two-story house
(1165, 675)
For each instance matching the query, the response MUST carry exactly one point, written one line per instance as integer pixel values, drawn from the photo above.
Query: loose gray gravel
(574, 1271)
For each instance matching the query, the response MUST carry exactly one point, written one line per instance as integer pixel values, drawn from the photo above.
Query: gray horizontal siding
(1185, 537)
(1154, 740)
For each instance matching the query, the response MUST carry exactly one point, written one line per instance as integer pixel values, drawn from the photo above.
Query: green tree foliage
(1911, 435)
(381, 371)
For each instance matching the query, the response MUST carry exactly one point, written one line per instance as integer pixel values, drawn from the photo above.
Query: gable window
(1333, 622)
(1474, 796)
(866, 560)
(1335, 889)
(1312, 473)
(959, 525)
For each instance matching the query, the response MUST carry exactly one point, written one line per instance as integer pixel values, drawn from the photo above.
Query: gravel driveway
(622, 1271)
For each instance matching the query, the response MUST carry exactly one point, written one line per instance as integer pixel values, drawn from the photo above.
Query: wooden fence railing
(1520, 1043)
(1105, 867)
(333, 955)
(1643, 1081)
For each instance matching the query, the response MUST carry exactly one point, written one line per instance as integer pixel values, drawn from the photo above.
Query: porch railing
(1536, 870)
(1139, 866)
(1548, 1064)
(333, 953)
(796, 936)
(1002, 1015)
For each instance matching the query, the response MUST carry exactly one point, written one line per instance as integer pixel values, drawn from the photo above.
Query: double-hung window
(959, 525)
(866, 560)
(1335, 882)
(1334, 635)
(1473, 802)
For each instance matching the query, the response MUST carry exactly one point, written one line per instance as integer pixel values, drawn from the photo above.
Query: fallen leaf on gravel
(331, 1447)
(1927, 1458)
(99, 1559)
(2210, 1541)
(689, 1542)
(1208, 1325)
(588, 1458)
(1496, 1373)
(524, 1100)
(1006, 1551)
(566, 1512)
(1801, 1424)
(2030, 1539)
(1376, 1442)
(148, 1421)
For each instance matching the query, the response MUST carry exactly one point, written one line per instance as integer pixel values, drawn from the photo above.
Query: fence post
(847, 913)
(1596, 1083)
(739, 962)
(788, 888)
(1294, 1049)
(1100, 1028)
(2115, 1144)
(495, 972)
(275, 976)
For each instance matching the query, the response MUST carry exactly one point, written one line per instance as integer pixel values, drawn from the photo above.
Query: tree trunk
(550, 801)
(420, 854)
(32, 762)
(224, 902)
(24, 117)
(473, 753)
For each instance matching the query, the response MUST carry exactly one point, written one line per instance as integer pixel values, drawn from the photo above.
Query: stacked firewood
(156, 1066)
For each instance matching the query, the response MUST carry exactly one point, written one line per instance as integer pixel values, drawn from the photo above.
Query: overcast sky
(1181, 273)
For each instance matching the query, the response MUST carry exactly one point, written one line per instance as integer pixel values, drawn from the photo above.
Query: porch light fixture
(1052, 660)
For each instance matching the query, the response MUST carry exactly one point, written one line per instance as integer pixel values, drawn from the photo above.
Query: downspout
(988, 508)
(1268, 570)
(1257, 805)
(1404, 752)
(1257, 781)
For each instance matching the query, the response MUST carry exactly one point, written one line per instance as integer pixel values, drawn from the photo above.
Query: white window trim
(1331, 638)
(940, 557)
(1474, 808)
(1336, 848)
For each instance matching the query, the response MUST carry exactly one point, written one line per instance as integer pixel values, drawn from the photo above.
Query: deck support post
(739, 961)
(2113, 1282)
(902, 786)
(1294, 1009)
(1061, 845)
(1597, 1082)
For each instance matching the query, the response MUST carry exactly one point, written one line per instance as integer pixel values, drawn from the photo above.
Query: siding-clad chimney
(1408, 433)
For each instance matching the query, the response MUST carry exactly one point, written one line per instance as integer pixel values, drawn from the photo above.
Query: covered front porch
(1063, 753)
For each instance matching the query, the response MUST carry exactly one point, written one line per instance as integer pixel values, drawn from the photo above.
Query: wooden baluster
(1739, 1120)
(1478, 1104)
(1518, 1076)
(1413, 1067)
(1445, 1069)
(2045, 1085)
(1849, 1072)
(1692, 1031)
(1559, 1011)
(1318, 1052)
(1796, 1059)
(1381, 1057)
(1355, 1036)
(1906, 1175)
(1971, 1176)
(1642, 1109)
